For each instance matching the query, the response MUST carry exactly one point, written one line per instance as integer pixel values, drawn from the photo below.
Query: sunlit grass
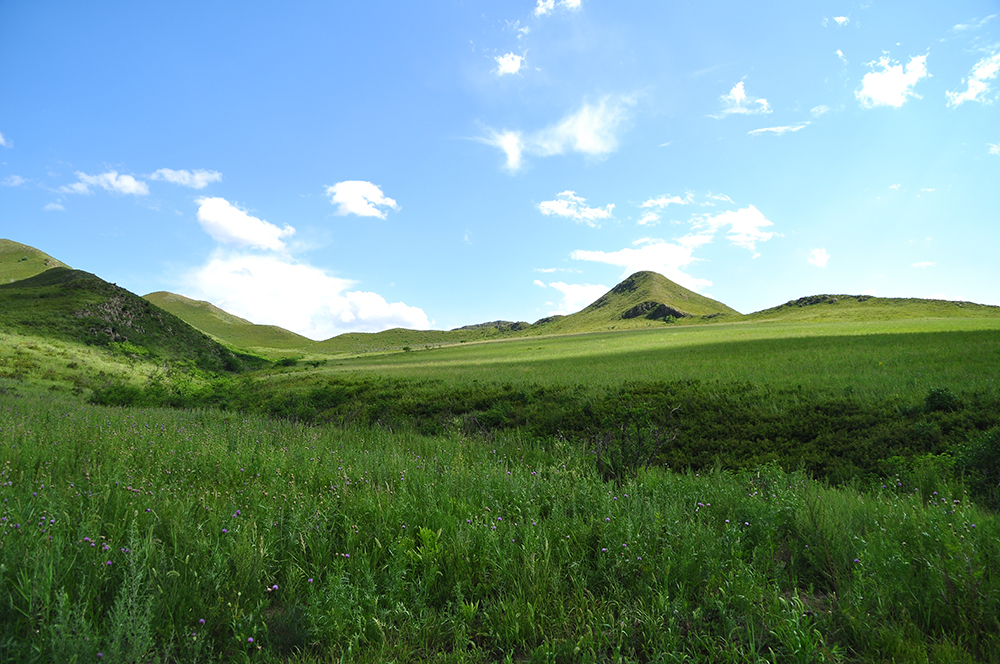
(123, 530)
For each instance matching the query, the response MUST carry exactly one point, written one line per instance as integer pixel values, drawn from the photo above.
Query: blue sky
(334, 167)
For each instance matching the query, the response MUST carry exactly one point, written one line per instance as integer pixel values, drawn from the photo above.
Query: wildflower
(857, 560)
(108, 563)
(274, 587)
(250, 639)
(310, 580)
(604, 550)
(224, 530)
(201, 621)
(607, 519)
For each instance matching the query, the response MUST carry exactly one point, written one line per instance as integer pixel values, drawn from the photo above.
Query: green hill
(226, 327)
(862, 308)
(75, 306)
(645, 299)
(19, 261)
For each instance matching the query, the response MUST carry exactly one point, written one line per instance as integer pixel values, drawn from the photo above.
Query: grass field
(158, 535)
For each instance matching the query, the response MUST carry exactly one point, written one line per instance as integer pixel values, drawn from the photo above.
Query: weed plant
(142, 535)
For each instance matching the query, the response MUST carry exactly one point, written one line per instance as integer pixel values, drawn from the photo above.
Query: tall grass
(150, 535)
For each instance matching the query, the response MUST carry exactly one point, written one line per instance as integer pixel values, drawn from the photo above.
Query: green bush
(979, 463)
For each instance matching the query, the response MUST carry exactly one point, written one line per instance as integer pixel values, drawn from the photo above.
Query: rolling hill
(643, 300)
(19, 261)
(76, 306)
(226, 327)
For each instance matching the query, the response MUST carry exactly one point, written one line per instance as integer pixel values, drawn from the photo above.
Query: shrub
(941, 399)
(979, 462)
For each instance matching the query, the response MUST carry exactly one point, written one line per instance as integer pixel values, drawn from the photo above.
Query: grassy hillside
(76, 306)
(228, 328)
(19, 261)
(868, 308)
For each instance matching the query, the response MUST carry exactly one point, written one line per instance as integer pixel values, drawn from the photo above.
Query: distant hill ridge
(643, 300)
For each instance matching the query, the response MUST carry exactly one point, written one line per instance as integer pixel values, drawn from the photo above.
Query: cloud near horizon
(744, 227)
(278, 290)
(591, 130)
(894, 84)
(229, 224)
(568, 204)
(574, 296)
(361, 198)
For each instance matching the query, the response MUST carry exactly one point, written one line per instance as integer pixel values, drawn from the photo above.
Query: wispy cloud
(841, 20)
(229, 224)
(54, 207)
(545, 7)
(568, 204)
(13, 181)
(778, 131)
(819, 257)
(361, 198)
(5, 142)
(745, 227)
(508, 64)
(198, 179)
(977, 83)
(994, 148)
(974, 24)
(738, 102)
(591, 130)
(893, 85)
(840, 54)
(661, 203)
(817, 111)
(110, 181)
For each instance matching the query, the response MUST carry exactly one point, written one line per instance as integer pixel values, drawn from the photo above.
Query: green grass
(123, 530)
(19, 261)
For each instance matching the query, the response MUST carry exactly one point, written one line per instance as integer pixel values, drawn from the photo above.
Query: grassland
(158, 535)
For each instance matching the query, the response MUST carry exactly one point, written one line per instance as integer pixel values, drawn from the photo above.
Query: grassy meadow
(143, 535)
(797, 485)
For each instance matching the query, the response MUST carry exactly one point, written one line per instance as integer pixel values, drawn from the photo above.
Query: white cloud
(978, 88)
(575, 296)
(277, 290)
(198, 179)
(663, 201)
(924, 264)
(53, 207)
(819, 257)
(994, 148)
(842, 20)
(545, 7)
(539, 282)
(819, 110)
(745, 227)
(648, 218)
(840, 54)
(13, 181)
(568, 204)
(591, 130)
(5, 142)
(110, 181)
(895, 186)
(666, 258)
(894, 84)
(231, 225)
(508, 64)
(737, 101)
(361, 198)
(778, 131)
(974, 25)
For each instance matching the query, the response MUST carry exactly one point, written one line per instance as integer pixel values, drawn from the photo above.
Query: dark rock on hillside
(653, 311)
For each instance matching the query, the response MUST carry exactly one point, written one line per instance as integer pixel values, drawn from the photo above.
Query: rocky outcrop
(653, 311)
